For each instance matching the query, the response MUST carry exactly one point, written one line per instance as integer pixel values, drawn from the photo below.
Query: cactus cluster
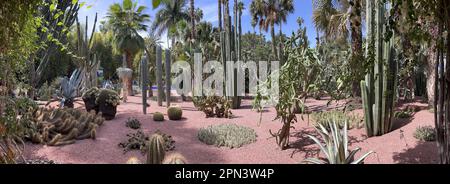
(214, 106)
(228, 135)
(379, 87)
(133, 123)
(104, 101)
(57, 127)
(175, 113)
(139, 141)
(403, 114)
(89, 97)
(157, 116)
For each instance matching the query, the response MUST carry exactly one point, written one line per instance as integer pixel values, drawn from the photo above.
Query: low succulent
(175, 113)
(133, 123)
(402, 114)
(139, 141)
(425, 133)
(228, 135)
(335, 148)
(157, 116)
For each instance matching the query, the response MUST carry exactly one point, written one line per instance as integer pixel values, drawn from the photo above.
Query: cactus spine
(159, 75)
(156, 149)
(379, 87)
(144, 81)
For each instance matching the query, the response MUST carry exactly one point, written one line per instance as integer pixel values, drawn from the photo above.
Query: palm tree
(267, 13)
(126, 20)
(167, 18)
(336, 18)
(192, 9)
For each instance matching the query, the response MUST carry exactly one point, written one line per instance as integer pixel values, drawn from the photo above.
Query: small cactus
(156, 149)
(175, 113)
(133, 160)
(133, 123)
(157, 116)
(175, 158)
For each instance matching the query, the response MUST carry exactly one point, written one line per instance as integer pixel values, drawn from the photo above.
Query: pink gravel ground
(399, 146)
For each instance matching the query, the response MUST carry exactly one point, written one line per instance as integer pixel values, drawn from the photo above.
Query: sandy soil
(399, 146)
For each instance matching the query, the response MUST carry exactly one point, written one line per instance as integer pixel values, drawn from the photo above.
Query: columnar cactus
(159, 75)
(231, 51)
(378, 89)
(168, 83)
(156, 149)
(144, 81)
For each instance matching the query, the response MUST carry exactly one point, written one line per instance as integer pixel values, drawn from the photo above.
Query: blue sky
(303, 8)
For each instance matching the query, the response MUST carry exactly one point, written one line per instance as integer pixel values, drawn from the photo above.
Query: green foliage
(324, 118)
(425, 133)
(297, 79)
(108, 97)
(228, 135)
(175, 113)
(214, 106)
(133, 123)
(403, 114)
(157, 116)
(335, 148)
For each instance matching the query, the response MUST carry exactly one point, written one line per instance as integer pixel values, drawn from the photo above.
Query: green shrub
(228, 135)
(175, 113)
(109, 97)
(402, 114)
(157, 116)
(327, 117)
(425, 133)
(133, 123)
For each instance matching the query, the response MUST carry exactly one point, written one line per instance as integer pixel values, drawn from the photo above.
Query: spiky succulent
(425, 133)
(228, 135)
(335, 148)
(175, 113)
(155, 149)
(157, 116)
(133, 123)
(174, 158)
(109, 97)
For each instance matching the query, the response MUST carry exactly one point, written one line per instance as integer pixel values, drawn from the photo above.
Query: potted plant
(107, 102)
(89, 98)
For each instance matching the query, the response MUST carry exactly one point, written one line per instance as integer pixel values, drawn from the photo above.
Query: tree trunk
(129, 58)
(226, 16)
(192, 20)
(274, 44)
(357, 49)
(431, 74)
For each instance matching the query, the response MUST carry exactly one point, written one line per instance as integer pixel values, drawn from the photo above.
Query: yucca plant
(335, 148)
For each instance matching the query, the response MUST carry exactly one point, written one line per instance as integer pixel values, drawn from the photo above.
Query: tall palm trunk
(274, 44)
(357, 49)
(129, 59)
(280, 44)
(193, 19)
(226, 18)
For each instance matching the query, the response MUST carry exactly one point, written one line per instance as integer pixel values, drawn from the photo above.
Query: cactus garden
(224, 82)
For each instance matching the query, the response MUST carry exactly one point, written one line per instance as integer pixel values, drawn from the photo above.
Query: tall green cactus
(144, 82)
(159, 75)
(378, 89)
(168, 81)
(156, 149)
(230, 42)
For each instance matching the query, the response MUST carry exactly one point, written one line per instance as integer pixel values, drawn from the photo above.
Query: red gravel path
(398, 146)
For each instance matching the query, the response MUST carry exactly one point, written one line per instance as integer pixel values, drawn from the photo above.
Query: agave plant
(335, 148)
(69, 87)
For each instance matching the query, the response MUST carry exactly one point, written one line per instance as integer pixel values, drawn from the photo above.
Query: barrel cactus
(175, 158)
(156, 149)
(175, 113)
(157, 116)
